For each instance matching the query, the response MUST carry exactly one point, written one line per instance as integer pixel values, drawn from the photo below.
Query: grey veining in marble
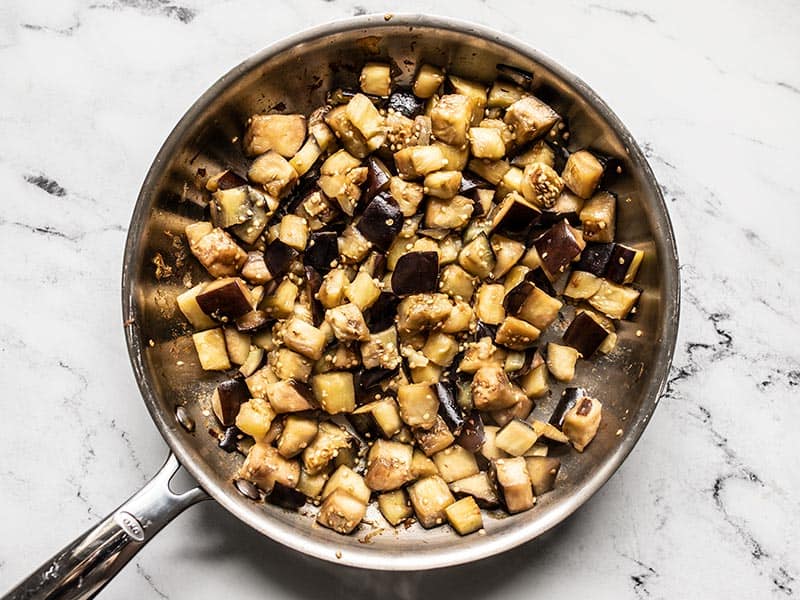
(707, 506)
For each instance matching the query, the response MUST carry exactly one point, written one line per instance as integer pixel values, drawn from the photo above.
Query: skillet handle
(86, 565)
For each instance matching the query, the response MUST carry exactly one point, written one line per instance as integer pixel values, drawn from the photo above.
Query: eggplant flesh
(416, 273)
(381, 221)
(231, 394)
(622, 264)
(226, 301)
(540, 279)
(585, 334)
(516, 218)
(569, 398)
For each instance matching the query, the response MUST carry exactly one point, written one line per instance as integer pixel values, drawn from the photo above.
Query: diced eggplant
(376, 78)
(582, 421)
(395, 507)
(341, 512)
(273, 172)
(306, 157)
(385, 414)
(215, 249)
(582, 173)
(516, 334)
(278, 257)
(416, 273)
(515, 75)
(381, 221)
(422, 311)
(541, 185)
(623, 264)
(489, 304)
(350, 137)
(378, 177)
(567, 206)
(614, 301)
(598, 217)
(253, 362)
(432, 440)
(366, 118)
(419, 405)
(474, 91)
(450, 119)
(594, 258)
(585, 334)
(558, 246)
(449, 410)
(491, 389)
(582, 285)
(282, 133)
(515, 437)
(324, 447)
(540, 152)
(414, 162)
(226, 298)
(287, 396)
(486, 142)
(430, 497)
(479, 487)
(543, 472)
(381, 351)
(507, 252)
(380, 315)
(440, 349)
(457, 283)
(286, 497)
(521, 410)
(293, 232)
(512, 475)
(447, 214)
(406, 103)
(280, 304)
(465, 516)
(489, 449)
(227, 399)
(534, 382)
(363, 291)
(334, 391)
(428, 81)
(265, 467)
(407, 194)
(539, 278)
(229, 440)
(388, 465)
(230, 206)
(515, 216)
(454, 463)
(530, 118)
(298, 432)
(477, 257)
(225, 180)
(187, 302)
(561, 361)
(481, 353)
(304, 338)
(348, 323)
(288, 364)
(492, 171)
(528, 302)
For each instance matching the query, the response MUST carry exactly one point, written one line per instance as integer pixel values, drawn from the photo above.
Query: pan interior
(296, 74)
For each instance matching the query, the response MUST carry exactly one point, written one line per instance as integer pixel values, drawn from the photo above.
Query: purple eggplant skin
(313, 283)
(472, 435)
(323, 249)
(232, 394)
(550, 217)
(483, 330)
(378, 176)
(286, 497)
(613, 168)
(585, 334)
(364, 425)
(230, 180)
(594, 259)
(517, 296)
(381, 221)
(278, 257)
(416, 273)
(518, 220)
(557, 247)
(225, 301)
(539, 278)
(619, 263)
(369, 379)
(380, 316)
(569, 398)
(515, 75)
(306, 186)
(375, 265)
(532, 360)
(230, 439)
(253, 321)
(448, 407)
(406, 103)
(471, 182)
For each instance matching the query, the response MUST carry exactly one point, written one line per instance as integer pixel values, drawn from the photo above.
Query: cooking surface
(77, 141)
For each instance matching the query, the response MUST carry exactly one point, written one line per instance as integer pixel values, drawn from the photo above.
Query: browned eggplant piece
(253, 321)
(470, 183)
(313, 283)
(515, 217)
(569, 398)
(225, 298)
(286, 497)
(448, 407)
(540, 279)
(594, 259)
(483, 330)
(613, 168)
(558, 246)
(406, 103)
(380, 316)
(323, 249)
(375, 265)
(363, 423)
(381, 221)
(341, 96)
(378, 176)
(520, 77)
(543, 471)
(567, 206)
(225, 180)
(585, 334)
(472, 435)
(227, 398)
(278, 257)
(533, 359)
(229, 440)
(416, 273)
(623, 264)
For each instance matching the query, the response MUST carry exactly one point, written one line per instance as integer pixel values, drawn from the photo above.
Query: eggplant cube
(430, 497)
(211, 350)
(530, 118)
(479, 487)
(487, 142)
(294, 232)
(348, 323)
(282, 133)
(432, 440)
(598, 217)
(615, 301)
(532, 304)
(297, 434)
(363, 291)
(376, 79)
(515, 216)
(440, 349)
(489, 303)
(516, 437)
(623, 264)
(381, 221)
(582, 422)
(414, 162)
(395, 507)
(341, 512)
(288, 364)
(541, 185)
(335, 392)
(273, 172)
(419, 405)
(330, 440)
(265, 467)
(287, 396)
(516, 334)
(428, 81)
(416, 273)
(388, 465)
(585, 334)
(216, 250)
(442, 184)
(304, 338)
(227, 398)
(465, 516)
(187, 303)
(512, 475)
(344, 478)
(561, 361)
(491, 389)
(450, 119)
(558, 246)
(457, 283)
(381, 351)
(582, 173)
(542, 471)
(582, 285)
(422, 311)
(477, 257)
(455, 463)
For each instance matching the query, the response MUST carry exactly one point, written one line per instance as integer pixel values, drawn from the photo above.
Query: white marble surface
(707, 505)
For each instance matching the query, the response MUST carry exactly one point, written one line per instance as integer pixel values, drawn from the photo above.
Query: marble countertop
(706, 506)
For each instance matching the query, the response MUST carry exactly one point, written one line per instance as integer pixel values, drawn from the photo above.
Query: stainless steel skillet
(296, 72)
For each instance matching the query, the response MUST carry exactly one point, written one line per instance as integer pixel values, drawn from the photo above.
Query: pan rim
(366, 557)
